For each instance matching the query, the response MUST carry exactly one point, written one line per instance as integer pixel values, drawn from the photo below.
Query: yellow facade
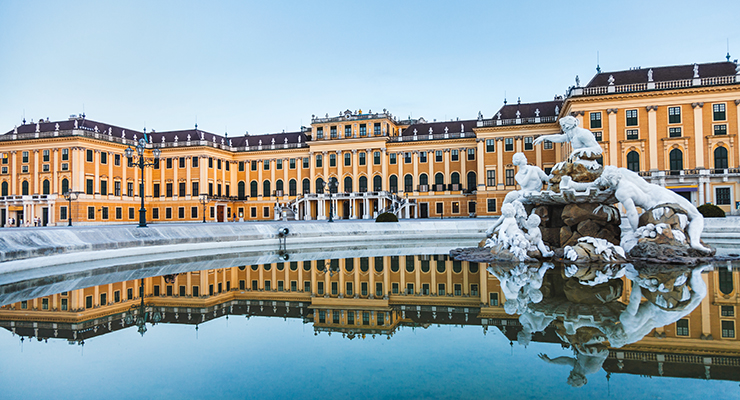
(414, 168)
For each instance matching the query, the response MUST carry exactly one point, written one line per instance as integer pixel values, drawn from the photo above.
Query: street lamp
(203, 198)
(142, 316)
(142, 163)
(332, 185)
(70, 196)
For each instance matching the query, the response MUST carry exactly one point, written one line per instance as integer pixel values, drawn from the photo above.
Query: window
(319, 161)
(631, 117)
(241, 166)
(728, 329)
(633, 134)
(363, 130)
(253, 212)
(528, 143)
(674, 115)
(727, 311)
(332, 160)
(376, 158)
(633, 161)
(117, 188)
(181, 187)
(88, 156)
(119, 212)
(291, 163)
(195, 162)
(718, 112)
(195, 189)
(409, 288)
(266, 212)
(266, 165)
(333, 132)
(547, 145)
(422, 157)
(720, 129)
(254, 165)
(376, 129)
(491, 177)
(63, 212)
(510, 177)
(438, 156)
(65, 166)
(348, 131)
(278, 164)
(491, 205)
(471, 154)
(490, 145)
(45, 155)
(181, 162)
(155, 213)
(104, 188)
(105, 212)
(682, 327)
(440, 208)
(130, 213)
(90, 212)
(169, 163)
(65, 154)
(441, 289)
(720, 158)
(455, 155)
(598, 136)
(319, 133)
(722, 196)
(456, 207)
(168, 188)
(509, 144)
(89, 185)
(305, 162)
(46, 187)
(347, 159)
(392, 158)
(193, 212)
(181, 212)
(674, 132)
(675, 160)
(362, 158)
(493, 299)
(155, 190)
(595, 120)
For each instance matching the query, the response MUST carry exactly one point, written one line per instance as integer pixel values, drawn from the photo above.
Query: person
(534, 235)
(582, 141)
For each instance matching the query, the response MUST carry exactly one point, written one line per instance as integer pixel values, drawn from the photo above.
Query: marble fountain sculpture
(576, 219)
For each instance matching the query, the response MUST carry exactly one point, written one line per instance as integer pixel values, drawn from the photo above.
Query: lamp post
(143, 316)
(142, 163)
(203, 198)
(70, 196)
(332, 185)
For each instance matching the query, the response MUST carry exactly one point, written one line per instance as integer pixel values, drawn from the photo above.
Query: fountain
(576, 220)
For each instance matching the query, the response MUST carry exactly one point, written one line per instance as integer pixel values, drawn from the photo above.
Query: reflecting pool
(385, 326)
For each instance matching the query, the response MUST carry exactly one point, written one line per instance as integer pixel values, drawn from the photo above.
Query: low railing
(435, 136)
(662, 85)
(518, 121)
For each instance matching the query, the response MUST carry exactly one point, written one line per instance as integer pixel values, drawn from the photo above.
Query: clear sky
(267, 66)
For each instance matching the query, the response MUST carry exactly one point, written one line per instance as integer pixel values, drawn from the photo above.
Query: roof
(439, 127)
(661, 74)
(527, 110)
(82, 123)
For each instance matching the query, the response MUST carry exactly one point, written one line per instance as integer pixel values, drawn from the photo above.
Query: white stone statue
(632, 191)
(534, 235)
(581, 140)
(188, 137)
(521, 285)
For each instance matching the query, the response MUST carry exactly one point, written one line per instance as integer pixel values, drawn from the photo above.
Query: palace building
(676, 125)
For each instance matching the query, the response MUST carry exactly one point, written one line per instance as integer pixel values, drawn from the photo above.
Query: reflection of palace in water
(357, 297)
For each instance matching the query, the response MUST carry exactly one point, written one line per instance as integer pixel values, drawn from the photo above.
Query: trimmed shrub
(386, 217)
(711, 211)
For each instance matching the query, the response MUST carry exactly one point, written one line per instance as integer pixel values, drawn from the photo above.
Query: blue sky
(237, 66)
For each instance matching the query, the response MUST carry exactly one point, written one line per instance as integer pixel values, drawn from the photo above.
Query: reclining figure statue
(582, 141)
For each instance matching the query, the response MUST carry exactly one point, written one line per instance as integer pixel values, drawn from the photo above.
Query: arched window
(333, 185)
(242, 190)
(377, 183)
(5, 189)
(725, 280)
(24, 188)
(455, 178)
(266, 188)
(347, 184)
(423, 179)
(363, 184)
(676, 160)
(65, 186)
(393, 183)
(279, 185)
(306, 186)
(439, 178)
(472, 184)
(253, 189)
(633, 161)
(319, 185)
(720, 158)
(46, 187)
(408, 183)
(409, 263)
(292, 187)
